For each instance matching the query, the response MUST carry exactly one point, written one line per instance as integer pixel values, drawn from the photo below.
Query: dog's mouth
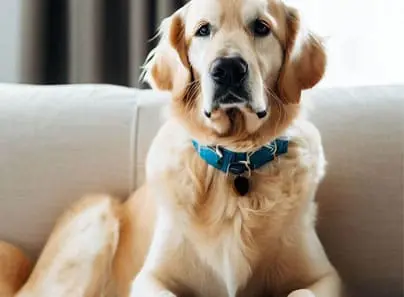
(231, 97)
(231, 101)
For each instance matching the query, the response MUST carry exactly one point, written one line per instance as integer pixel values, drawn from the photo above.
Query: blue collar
(239, 163)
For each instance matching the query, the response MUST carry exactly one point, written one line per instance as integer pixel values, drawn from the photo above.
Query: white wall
(364, 39)
(10, 39)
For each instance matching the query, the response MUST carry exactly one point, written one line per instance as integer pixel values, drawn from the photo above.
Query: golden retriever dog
(235, 70)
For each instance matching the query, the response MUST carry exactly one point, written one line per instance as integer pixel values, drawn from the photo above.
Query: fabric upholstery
(58, 143)
(361, 198)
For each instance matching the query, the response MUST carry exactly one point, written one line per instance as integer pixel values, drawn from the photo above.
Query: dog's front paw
(166, 294)
(302, 293)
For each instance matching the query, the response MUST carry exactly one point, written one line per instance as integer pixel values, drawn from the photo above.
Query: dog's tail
(15, 267)
(77, 259)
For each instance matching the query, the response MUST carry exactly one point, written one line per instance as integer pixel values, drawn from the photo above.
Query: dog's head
(235, 68)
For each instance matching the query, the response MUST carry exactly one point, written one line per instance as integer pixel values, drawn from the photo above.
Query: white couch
(58, 143)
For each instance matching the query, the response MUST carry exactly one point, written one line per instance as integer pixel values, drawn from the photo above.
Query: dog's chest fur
(226, 238)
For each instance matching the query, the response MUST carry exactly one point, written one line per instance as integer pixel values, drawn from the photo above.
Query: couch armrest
(60, 142)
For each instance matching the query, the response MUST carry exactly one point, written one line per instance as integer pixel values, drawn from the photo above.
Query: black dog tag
(241, 185)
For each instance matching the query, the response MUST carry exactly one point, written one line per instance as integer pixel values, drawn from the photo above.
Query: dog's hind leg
(77, 258)
(15, 268)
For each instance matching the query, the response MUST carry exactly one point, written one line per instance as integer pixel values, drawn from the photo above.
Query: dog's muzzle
(230, 75)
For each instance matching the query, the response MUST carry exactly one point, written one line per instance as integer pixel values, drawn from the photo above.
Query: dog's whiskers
(193, 89)
(279, 105)
(192, 83)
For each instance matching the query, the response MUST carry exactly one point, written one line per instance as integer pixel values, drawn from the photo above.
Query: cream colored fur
(186, 232)
(231, 244)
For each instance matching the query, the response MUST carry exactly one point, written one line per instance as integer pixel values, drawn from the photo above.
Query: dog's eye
(260, 28)
(203, 31)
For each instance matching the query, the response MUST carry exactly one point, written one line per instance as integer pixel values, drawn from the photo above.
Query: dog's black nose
(229, 71)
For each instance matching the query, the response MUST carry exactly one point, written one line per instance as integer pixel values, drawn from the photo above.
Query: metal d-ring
(246, 163)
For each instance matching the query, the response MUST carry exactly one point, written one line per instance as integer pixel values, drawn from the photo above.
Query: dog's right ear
(167, 67)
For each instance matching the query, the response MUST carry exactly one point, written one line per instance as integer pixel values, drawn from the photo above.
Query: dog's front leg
(329, 285)
(147, 285)
(156, 276)
(311, 268)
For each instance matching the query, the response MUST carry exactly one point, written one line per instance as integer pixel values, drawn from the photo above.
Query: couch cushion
(361, 198)
(58, 143)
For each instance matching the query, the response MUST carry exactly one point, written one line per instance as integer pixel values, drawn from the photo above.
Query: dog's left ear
(304, 60)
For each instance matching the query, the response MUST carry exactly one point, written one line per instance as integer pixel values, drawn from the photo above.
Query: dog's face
(235, 68)
(234, 52)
